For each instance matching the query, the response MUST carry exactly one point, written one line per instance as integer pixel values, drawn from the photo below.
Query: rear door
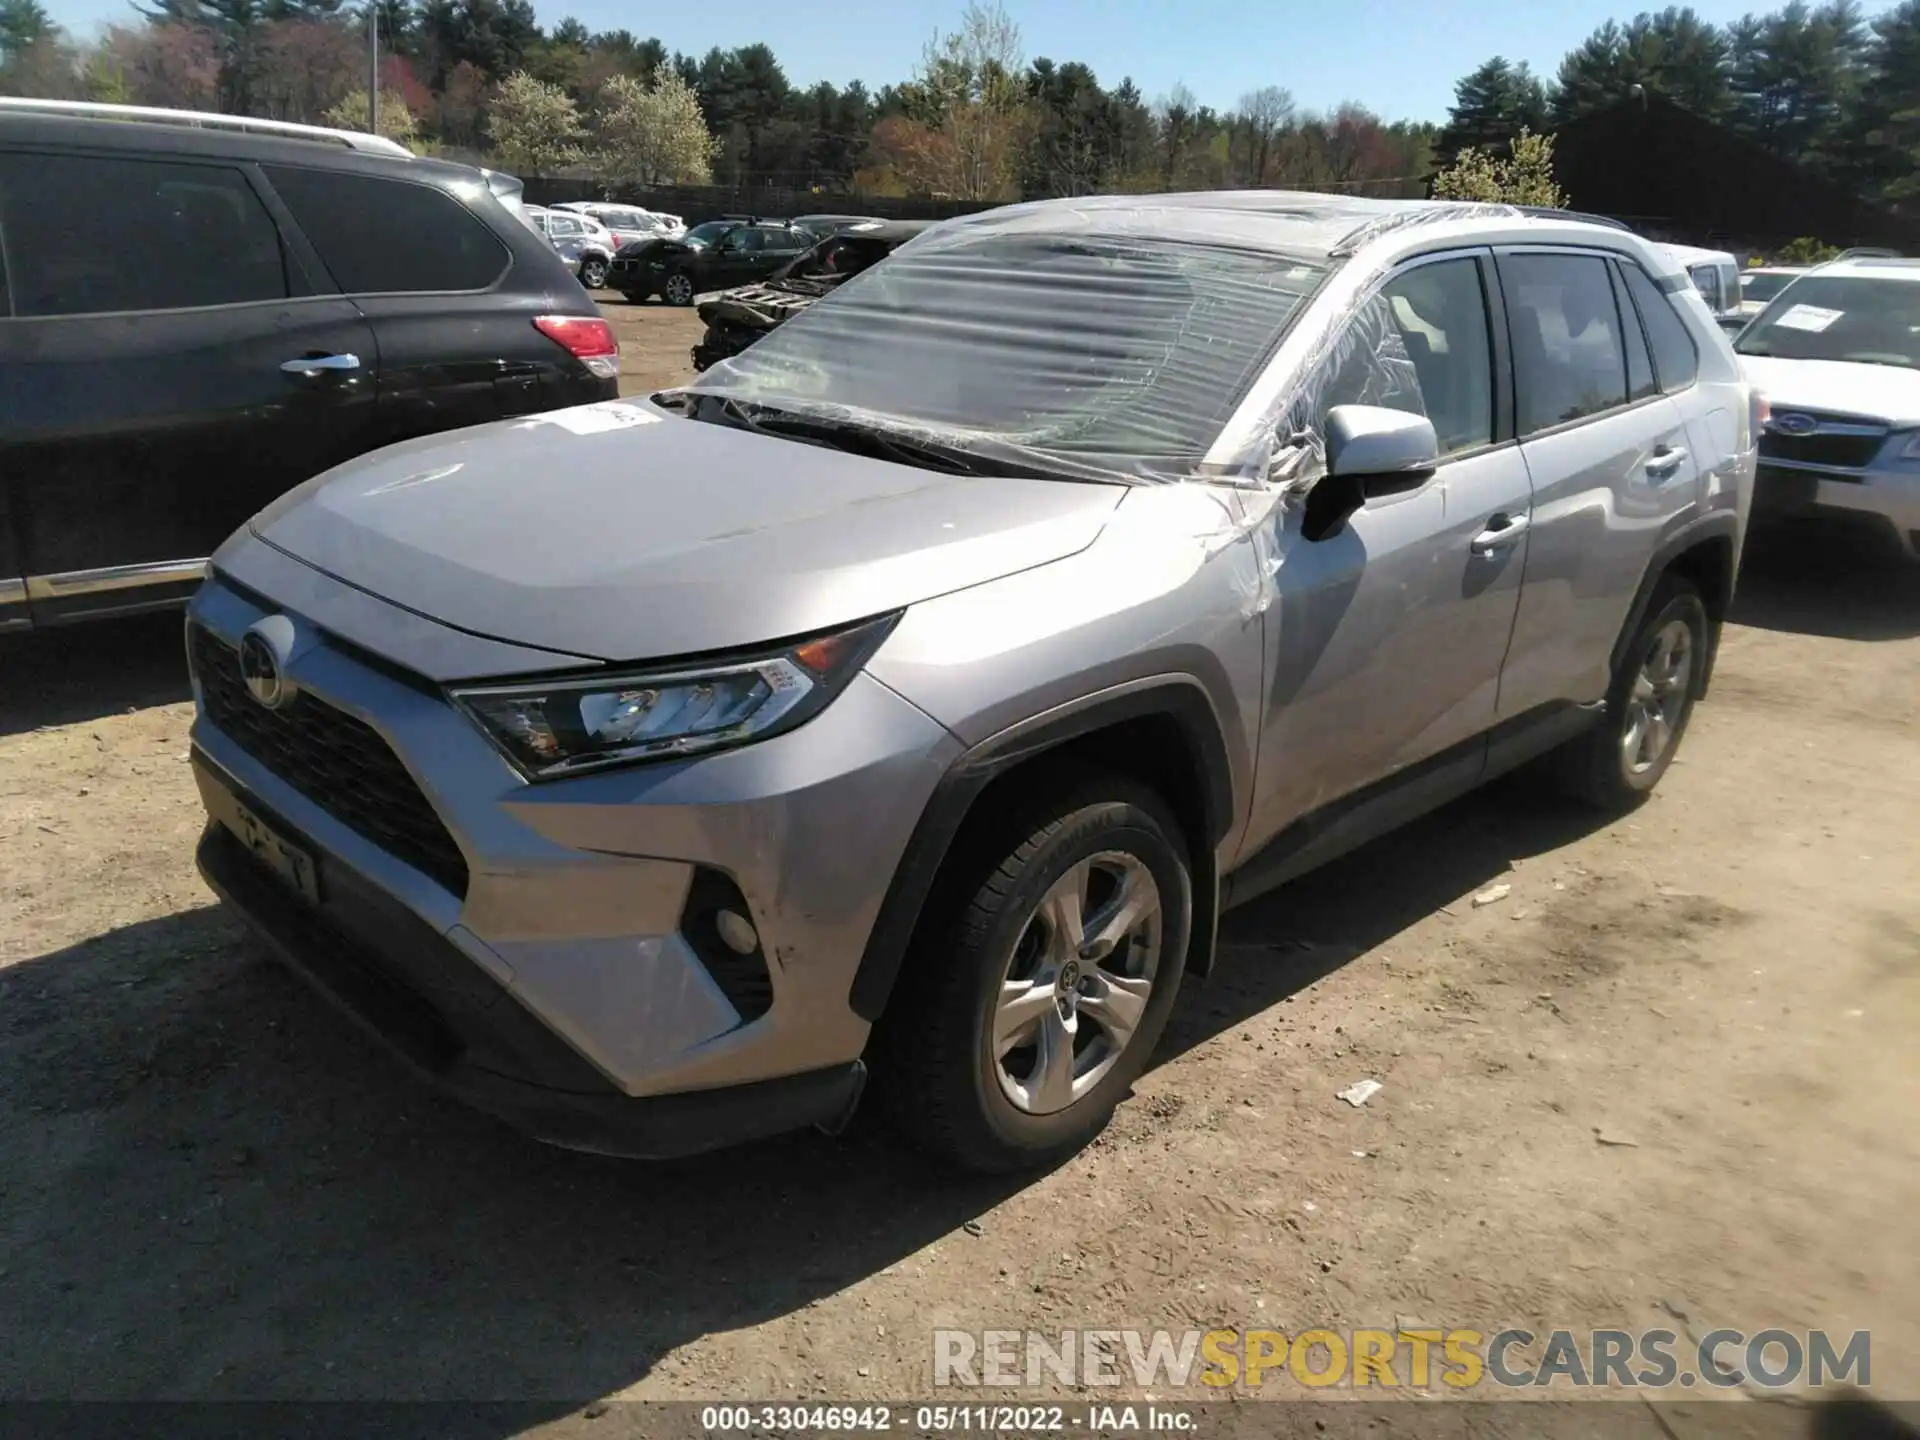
(1612, 466)
(781, 243)
(171, 367)
(457, 344)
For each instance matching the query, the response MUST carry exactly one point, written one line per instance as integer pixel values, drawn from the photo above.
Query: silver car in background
(581, 241)
(910, 694)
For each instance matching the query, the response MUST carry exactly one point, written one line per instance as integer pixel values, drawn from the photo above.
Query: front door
(170, 371)
(1386, 638)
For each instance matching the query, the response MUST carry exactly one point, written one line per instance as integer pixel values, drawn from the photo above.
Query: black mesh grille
(1850, 451)
(334, 760)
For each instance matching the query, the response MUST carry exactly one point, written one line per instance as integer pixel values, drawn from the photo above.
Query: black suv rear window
(378, 236)
(90, 235)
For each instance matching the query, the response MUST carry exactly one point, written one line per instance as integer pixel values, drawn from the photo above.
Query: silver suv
(912, 692)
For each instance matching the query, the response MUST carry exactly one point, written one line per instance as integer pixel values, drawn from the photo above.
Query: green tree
(23, 23)
(1491, 106)
(1796, 74)
(1673, 52)
(536, 128)
(397, 122)
(1883, 135)
(1525, 177)
(652, 135)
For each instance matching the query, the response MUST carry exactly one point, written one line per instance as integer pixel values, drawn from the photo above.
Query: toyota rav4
(909, 695)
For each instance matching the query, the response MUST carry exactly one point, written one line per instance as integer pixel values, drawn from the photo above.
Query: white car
(1760, 285)
(1716, 275)
(627, 222)
(1837, 356)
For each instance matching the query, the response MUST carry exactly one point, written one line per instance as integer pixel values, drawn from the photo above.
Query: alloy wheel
(1076, 986)
(1658, 698)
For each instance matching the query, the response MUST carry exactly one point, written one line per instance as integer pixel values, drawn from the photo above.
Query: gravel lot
(211, 1188)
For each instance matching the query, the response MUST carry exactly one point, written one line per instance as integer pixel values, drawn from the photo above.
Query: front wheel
(678, 290)
(1617, 763)
(1053, 968)
(593, 273)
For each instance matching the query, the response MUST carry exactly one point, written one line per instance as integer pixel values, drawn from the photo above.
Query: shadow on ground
(218, 1190)
(1824, 580)
(71, 673)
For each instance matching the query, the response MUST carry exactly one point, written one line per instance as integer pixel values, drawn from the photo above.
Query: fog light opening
(736, 932)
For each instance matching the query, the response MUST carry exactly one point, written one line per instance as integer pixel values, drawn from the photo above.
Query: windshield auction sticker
(1809, 317)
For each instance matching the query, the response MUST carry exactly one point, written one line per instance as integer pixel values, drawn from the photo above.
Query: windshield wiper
(881, 442)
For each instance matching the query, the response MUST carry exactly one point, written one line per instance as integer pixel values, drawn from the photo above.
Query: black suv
(198, 313)
(713, 256)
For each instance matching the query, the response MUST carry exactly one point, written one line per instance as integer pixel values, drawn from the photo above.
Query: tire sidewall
(1676, 604)
(1088, 830)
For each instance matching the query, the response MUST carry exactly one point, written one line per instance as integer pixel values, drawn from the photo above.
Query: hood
(1839, 387)
(621, 532)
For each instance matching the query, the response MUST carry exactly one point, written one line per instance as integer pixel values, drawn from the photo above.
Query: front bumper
(551, 973)
(1888, 500)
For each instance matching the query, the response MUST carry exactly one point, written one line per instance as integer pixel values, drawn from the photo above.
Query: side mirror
(1371, 451)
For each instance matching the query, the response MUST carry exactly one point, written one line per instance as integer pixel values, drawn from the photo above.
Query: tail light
(587, 338)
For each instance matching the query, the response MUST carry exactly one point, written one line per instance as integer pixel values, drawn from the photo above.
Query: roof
(899, 231)
(1694, 255)
(207, 120)
(1303, 224)
(1872, 267)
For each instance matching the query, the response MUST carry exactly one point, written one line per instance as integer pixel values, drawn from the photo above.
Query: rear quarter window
(1675, 360)
(378, 236)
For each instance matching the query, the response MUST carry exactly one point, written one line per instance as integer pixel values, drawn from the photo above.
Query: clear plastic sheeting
(1365, 362)
(1094, 340)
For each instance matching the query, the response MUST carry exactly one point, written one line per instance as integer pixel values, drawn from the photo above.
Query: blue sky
(1398, 57)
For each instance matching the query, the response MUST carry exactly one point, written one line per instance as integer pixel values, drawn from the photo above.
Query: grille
(334, 760)
(1850, 451)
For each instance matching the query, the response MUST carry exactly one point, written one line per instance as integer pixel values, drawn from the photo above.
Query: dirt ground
(1675, 1063)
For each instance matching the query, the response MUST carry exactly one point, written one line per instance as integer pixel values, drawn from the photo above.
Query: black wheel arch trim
(1718, 525)
(1179, 698)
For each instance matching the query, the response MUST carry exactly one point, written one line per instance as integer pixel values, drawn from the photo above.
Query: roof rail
(207, 120)
(1869, 252)
(1548, 212)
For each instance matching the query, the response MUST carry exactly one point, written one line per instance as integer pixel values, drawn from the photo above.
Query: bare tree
(970, 92)
(1264, 112)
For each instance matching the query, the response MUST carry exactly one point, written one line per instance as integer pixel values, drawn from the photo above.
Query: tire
(1616, 764)
(678, 289)
(991, 1107)
(593, 273)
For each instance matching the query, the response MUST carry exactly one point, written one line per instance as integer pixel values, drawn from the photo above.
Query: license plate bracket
(293, 864)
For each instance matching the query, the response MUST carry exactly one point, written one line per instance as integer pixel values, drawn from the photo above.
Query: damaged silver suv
(908, 696)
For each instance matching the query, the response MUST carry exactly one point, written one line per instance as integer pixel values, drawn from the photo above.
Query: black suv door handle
(312, 365)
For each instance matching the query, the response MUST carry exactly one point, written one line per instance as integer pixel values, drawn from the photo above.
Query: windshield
(1117, 354)
(1865, 319)
(1764, 287)
(708, 233)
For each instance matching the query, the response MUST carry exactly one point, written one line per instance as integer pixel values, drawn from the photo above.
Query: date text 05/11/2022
(948, 1419)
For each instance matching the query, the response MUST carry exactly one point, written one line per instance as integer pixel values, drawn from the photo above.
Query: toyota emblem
(260, 668)
(1795, 424)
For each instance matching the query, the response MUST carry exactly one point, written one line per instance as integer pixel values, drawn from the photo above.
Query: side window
(747, 240)
(378, 236)
(1706, 279)
(1567, 356)
(565, 227)
(1422, 345)
(90, 236)
(1676, 363)
(1640, 381)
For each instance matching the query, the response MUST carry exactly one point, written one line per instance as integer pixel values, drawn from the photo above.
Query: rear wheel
(593, 273)
(678, 290)
(1619, 761)
(1054, 965)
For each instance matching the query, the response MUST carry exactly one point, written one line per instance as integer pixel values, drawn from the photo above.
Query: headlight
(569, 725)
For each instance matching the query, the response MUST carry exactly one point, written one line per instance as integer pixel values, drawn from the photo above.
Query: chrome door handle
(320, 364)
(1497, 537)
(1665, 460)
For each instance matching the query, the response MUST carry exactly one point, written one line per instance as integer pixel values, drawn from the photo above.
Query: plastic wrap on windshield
(1100, 342)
